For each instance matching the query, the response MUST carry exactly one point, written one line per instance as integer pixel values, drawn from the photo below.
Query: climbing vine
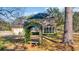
(27, 35)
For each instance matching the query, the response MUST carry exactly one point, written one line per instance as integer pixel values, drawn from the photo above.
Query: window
(48, 29)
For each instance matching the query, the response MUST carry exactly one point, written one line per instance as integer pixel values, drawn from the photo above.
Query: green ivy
(27, 35)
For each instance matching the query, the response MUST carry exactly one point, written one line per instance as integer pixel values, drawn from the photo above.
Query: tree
(4, 25)
(10, 13)
(68, 24)
(76, 22)
(55, 12)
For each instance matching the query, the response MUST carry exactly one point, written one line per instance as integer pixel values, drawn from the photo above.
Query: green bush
(3, 41)
(2, 45)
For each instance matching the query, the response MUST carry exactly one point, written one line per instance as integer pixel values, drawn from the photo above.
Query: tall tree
(68, 40)
(55, 12)
(10, 13)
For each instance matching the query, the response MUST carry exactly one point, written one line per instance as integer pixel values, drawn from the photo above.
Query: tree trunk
(68, 40)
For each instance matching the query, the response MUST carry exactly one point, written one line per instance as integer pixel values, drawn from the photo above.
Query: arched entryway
(33, 32)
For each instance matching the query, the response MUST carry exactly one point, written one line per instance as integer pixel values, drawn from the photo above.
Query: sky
(34, 10)
(30, 10)
(25, 11)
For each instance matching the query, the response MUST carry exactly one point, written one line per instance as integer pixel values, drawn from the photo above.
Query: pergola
(43, 26)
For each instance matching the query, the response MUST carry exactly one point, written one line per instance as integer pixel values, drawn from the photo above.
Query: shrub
(2, 44)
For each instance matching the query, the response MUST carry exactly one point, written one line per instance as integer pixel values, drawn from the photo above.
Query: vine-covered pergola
(45, 26)
(27, 28)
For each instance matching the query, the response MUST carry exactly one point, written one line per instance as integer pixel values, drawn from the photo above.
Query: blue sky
(30, 10)
(25, 11)
(34, 10)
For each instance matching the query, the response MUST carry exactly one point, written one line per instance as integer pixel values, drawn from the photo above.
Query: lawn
(48, 44)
